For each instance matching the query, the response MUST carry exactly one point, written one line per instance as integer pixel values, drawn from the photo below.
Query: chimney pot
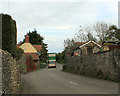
(27, 39)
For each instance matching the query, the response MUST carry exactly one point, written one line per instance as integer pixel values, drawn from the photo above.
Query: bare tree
(90, 33)
(101, 30)
(80, 37)
(84, 35)
(69, 42)
(90, 37)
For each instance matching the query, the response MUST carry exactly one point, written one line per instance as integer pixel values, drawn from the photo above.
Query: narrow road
(54, 81)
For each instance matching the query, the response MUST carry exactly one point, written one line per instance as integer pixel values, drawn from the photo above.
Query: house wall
(105, 48)
(84, 50)
(103, 65)
(96, 49)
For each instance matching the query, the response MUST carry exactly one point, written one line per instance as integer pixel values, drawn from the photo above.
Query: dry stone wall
(10, 74)
(0, 73)
(22, 64)
(103, 65)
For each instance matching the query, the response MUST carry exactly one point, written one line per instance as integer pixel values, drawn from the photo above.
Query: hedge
(9, 34)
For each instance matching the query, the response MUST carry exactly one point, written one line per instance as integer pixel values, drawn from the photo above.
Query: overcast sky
(57, 20)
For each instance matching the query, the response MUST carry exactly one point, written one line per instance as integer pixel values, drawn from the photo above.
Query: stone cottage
(84, 48)
(110, 45)
(90, 47)
(33, 50)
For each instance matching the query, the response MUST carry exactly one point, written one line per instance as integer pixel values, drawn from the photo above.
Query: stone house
(86, 48)
(83, 48)
(33, 50)
(70, 50)
(110, 45)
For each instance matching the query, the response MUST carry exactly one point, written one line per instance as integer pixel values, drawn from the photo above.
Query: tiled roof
(38, 47)
(80, 43)
(112, 47)
(90, 42)
(34, 56)
(28, 48)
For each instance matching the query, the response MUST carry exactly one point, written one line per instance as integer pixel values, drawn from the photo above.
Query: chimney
(27, 39)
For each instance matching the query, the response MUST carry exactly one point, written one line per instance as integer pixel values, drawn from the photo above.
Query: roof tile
(38, 47)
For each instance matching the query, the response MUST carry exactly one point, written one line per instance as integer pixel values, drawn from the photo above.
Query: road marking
(72, 82)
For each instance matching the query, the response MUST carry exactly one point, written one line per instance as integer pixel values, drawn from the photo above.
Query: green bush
(60, 57)
(43, 65)
(9, 34)
(19, 53)
(100, 73)
(64, 67)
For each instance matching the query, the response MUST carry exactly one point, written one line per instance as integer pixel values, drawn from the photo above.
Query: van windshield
(52, 63)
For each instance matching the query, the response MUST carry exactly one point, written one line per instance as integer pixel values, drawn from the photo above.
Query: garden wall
(11, 77)
(102, 65)
(22, 63)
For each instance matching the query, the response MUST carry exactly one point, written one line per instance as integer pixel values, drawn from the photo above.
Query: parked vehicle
(51, 60)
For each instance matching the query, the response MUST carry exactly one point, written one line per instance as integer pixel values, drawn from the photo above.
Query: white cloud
(59, 0)
(61, 27)
(56, 21)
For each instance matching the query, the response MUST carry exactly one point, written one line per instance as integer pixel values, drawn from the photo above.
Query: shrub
(43, 65)
(19, 53)
(9, 34)
(100, 73)
(64, 67)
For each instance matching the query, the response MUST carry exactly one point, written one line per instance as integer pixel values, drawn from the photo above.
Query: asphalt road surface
(55, 81)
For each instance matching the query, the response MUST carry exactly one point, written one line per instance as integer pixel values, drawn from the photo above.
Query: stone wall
(10, 74)
(22, 64)
(102, 65)
(0, 73)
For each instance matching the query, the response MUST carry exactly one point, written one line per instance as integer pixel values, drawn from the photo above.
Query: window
(89, 50)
